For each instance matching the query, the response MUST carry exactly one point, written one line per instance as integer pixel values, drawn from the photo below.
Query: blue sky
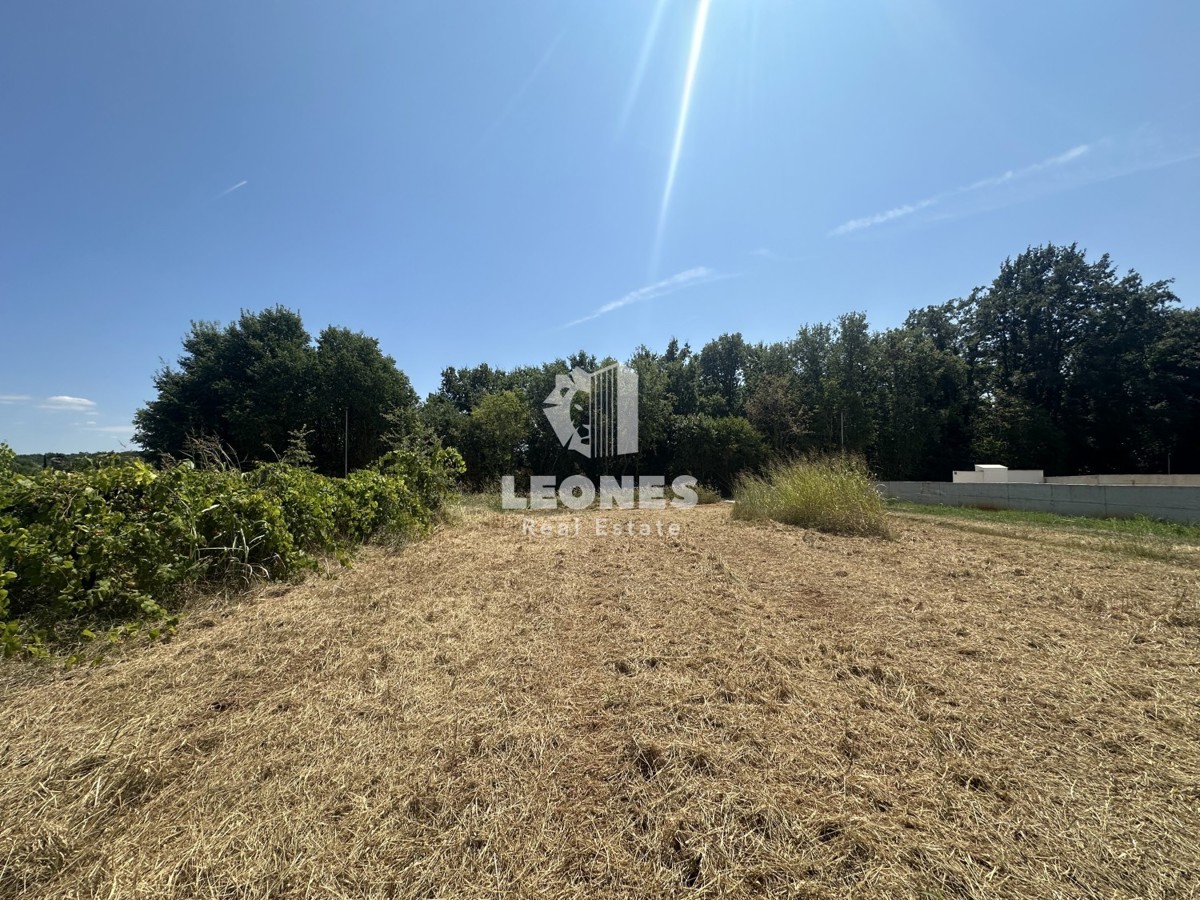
(487, 181)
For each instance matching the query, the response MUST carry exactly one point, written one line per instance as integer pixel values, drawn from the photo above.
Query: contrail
(681, 125)
(698, 275)
(1011, 175)
(231, 190)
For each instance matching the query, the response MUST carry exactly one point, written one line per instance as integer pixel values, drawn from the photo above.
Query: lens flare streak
(681, 126)
(639, 74)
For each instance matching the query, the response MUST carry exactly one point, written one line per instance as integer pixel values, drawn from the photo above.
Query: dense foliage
(253, 383)
(1059, 364)
(91, 550)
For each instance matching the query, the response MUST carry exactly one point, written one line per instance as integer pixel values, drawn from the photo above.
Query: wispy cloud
(13, 398)
(677, 282)
(1008, 177)
(896, 212)
(1013, 175)
(65, 403)
(230, 190)
(111, 429)
(775, 256)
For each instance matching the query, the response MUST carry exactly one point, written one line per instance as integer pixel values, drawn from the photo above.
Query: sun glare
(680, 127)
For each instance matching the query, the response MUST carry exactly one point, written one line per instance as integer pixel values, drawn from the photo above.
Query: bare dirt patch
(740, 710)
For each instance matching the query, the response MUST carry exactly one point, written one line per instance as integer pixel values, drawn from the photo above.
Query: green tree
(852, 384)
(1064, 345)
(1110, 404)
(1021, 434)
(655, 405)
(439, 414)
(498, 432)
(466, 387)
(679, 364)
(722, 375)
(251, 384)
(775, 409)
(716, 449)
(1175, 364)
(359, 396)
(247, 385)
(920, 406)
(812, 350)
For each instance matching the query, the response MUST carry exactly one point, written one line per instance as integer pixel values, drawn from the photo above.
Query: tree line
(1059, 363)
(29, 463)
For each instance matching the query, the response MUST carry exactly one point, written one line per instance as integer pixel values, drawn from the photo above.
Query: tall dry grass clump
(834, 494)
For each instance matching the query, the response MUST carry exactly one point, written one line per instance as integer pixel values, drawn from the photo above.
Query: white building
(989, 473)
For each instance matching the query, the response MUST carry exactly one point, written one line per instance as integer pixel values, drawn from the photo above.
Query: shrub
(113, 547)
(431, 470)
(834, 494)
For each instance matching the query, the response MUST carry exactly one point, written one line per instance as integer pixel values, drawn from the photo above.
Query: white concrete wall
(1173, 503)
(1026, 476)
(1162, 480)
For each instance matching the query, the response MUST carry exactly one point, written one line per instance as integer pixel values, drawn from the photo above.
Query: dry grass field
(741, 710)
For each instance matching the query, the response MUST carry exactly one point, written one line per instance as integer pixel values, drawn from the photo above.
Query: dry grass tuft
(831, 493)
(744, 710)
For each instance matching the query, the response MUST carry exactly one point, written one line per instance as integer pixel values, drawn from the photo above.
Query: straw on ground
(748, 709)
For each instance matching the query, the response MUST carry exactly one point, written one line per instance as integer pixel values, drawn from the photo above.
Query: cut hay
(744, 710)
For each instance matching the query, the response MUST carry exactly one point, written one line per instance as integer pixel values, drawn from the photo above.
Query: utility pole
(346, 446)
